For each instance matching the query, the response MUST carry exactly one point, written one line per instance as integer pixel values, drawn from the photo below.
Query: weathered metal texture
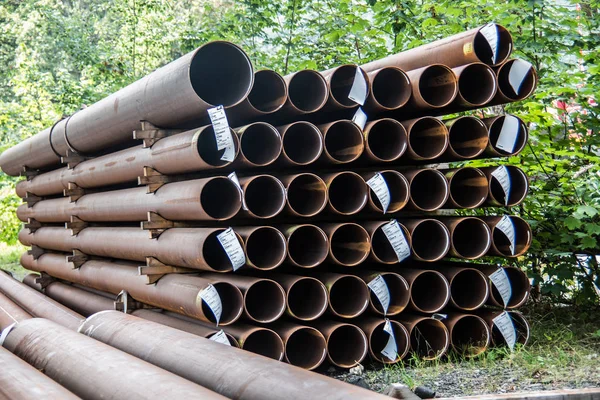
(470, 237)
(427, 138)
(20, 380)
(260, 145)
(94, 370)
(217, 73)
(339, 83)
(429, 337)
(302, 143)
(305, 347)
(196, 248)
(467, 138)
(381, 249)
(430, 239)
(37, 304)
(398, 188)
(506, 92)
(10, 312)
(264, 196)
(495, 126)
(519, 186)
(306, 194)
(349, 243)
(390, 90)
(174, 292)
(378, 338)
(307, 245)
(194, 150)
(469, 287)
(429, 289)
(265, 246)
(348, 295)
(433, 87)
(78, 300)
(470, 334)
(386, 140)
(347, 192)
(33, 153)
(460, 49)
(346, 343)
(429, 189)
(215, 198)
(210, 364)
(30, 280)
(468, 187)
(519, 284)
(397, 286)
(307, 93)
(477, 85)
(343, 142)
(501, 243)
(522, 328)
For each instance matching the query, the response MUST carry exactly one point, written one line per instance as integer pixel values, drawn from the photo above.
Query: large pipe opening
(344, 141)
(468, 188)
(468, 137)
(469, 289)
(519, 131)
(266, 248)
(429, 339)
(391, 88)
(350, 244)
(348, 296)
(399, 294)
(302, 143)
(307, 91)
(220, 198)
(264, 301)
(308, 246)
(214, 254)
(232, 303)
(386, 139)
(520, 287)
(470, 336)
(206, 146)
(221, 73)
(428, 138)
(471, 238)
(348, 193)
(518, 187)
(522, 91)
(477, 84)
(306, 348)
(522, 238)
(347, 346)
(429, 190)
(269, 91)
(307, 195)
(379, 339)
(438, 86)
(484, 51)
(307, 299)
(265, 196)
(381, 248)
(398, 188)
(521, 328)
(430, 240)
(429, 292)
(261, 144)
(341, 81)
(265, 342)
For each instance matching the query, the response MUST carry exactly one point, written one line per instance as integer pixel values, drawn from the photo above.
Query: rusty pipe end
(307, 299)
(484, 51)
(269, 91)
(399, 294)
(232, 303)
(346, 345)
(307, 91)
(260, 144)
(522, 329)
(507, 125)
(264, 301)
(429, 292)
(214, 254)
(437, 85)
(307, 246)
(265, 342)
(306, 348)
(381, 249)
(477, 84)
(501, 243)
(429, 338)
(430, 240)
(470, 238)
(468, 188)
(519, 186)
(348, 296)
(347, 193)
(264, 196)
(349, 244)
(344, 141)
(386, 140)
(429, 190)
(390, 88)
(469, 289)
(340, 83)
(206, 146)
(470, 335)
(520, 287)
(266, 248)
(306, 195)
(427, 139)
(398, 188)
(302, 143)
(378, 339)
(220, 198)
(467, 138)
(514, 91)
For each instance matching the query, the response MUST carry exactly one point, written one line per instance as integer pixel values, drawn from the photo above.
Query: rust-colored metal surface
(430, 239)
(467, 138)
(519, 285)
(265, 246)
(397, 186)
(386, 140)
(469, 287)
(307, 245)
(305, 347)
(349, 243)
(517, 130)
(79, 300)
(260, 145)
(468, 187)
(306, 194)
(519, 186)
(397, 286)
(381, 248)
(433, 87)
(501, 243)
(302, 144)
(427, 138)
(264, 196)
(470, 237)
(476, 85)
(378, 338)
(347, 192)
(507, 93)
(390, 90)
(307, 93)
(346, 343)
(469, 334)
(10, 312)
(348, 295)
(343, 142)
(429, 289)
(429, 189)
(429, 337)
(522, 328)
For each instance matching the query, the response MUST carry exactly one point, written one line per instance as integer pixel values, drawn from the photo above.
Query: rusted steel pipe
(30, 280)
(397, 186)
(429, 289)
(470, 237)
(37, 304)
(398, 289)
(512, 128)
(434, 86)
(469, 289)
(519, 186)
(346, 343)
(264, 196)
(306, 194)
(476, 85)
(339, 82)
(429, 189)
(258, 340)
(427, 138)
(349, 243)
(378, 338)
(174, 292)
(343, 142)
(260, 145)
(348, 295)
(469, 334)
(307, 93)
(430, 239)
(467, 138)
(468, 187)
(20, 380)
(390, 90)
(307, 245)
(79, 300)
(386, 140)
(305, 347)
(519, 284)
(347, 192)
(501, 244)
(381, 249)
(186, 355)
(507, 93)
(429, 337)
(522, 328)
(10, 312)
(302, 143)
(215, 198)
(265, 246)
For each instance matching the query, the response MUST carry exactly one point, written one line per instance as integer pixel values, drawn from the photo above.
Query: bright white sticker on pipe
(222, 131)
(211, 298)
(382, 292)
(220, 337)
(358, 91)
(378, 184)
(439, 316)
(500, 280)
(503, 178)
(507, 139)
(395, 236)
(360, 118)
(507, 329)
(391, 348)
(233, 178)
(5, 332)
(232, 247)
(506, 226)
(491, 34)
(517, 74)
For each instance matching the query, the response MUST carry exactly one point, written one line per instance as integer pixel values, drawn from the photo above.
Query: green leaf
(587, 210)
(589, 243)
(572, 223)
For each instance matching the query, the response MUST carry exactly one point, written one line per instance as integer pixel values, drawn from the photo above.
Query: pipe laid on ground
(433, 86)
(174, 292)
(515, 128)
(265, 246)
(79, 300)
(469, 334)
(378, 338)
(215, 198)
(429, 337)
(343, 142)
(305, 347)
(507, 93)
(302, 144)
(258, 340)
(264, 196)
(429, 289)
(10, 312)
(306, 194)
(349, 243)
(348, 295)
(519, 186)
(470, 237)
(467, 138)
(429, 189)
(519, 284)
(307, 245)
(468, 187)
(398, 189)
(397, 286)
(386, 140)
(430, 239)
(501, 242)
(260, 145)
(346, 343)
(381, 249)
(390, 90)
(347, 192)
(476, 85)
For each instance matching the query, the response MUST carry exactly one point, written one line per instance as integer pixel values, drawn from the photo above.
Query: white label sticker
(503, 178)
(395, 236)
(518, 71)
(358, 91)
(378, 184)
(507, 329)
(381, 290)
(507, 227)
(5, 332)
(507, 139)
(490, 33)
(220, 337)
(439, 316)
(233, 178)
(360, 118)
(229, 153)
(391, 349)
(500, 280)
(222, 132)
(210, 296)
(232, 247)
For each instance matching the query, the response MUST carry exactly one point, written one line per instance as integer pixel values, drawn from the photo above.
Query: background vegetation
(57, 55)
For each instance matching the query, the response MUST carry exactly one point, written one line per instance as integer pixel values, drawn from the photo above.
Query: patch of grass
(9, 259)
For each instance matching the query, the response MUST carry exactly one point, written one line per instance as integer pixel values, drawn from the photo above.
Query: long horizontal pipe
(306, 194)
(307, 245)
(307, 93)
(378, 338)
(519, 186)
(429, 289)
(386, 140)
(522, 328)
(264, 196)
(467, 138)
(305, 347)
(390, 90)
(397, 286)
(469, 334)
(469, 288)
(349, 243)
(265, 246)
(347, 192)
(346, 343)
(302, 144)
(476, 85)
(429, 189)
(348, 295)
(429, 337)
(397, 187)
(495, 126)
(468, 187)
(519, 285)
(10, 312)
(79, 300)
(506, 91)
(340, 81)
(430, 239)
(260, 145)
(470, 237)
(381, 248)
(427, 138)
(343, 142)
(501, 243)
(433, 86)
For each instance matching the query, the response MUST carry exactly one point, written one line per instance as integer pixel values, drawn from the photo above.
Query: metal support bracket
(156, 224)
(76, 225)
(125, 303)
(150, 133)
(31, 199)
(154, 270)
(36, 252)
(78, 258)
(33, 225)
(44, 280)
(29, 173)
(73, 192)
(153, 179)
(72, 159)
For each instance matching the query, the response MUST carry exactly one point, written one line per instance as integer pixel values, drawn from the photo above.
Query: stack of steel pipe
(310, 218)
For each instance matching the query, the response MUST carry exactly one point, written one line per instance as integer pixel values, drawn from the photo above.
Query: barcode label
(516, 76)
(507, 139)
(358, 91)
(391, 348)
(211, 298)
(232, 247)
(501, 175)
(378, 184)
(382, 292)
(220, 337)
(500, 280)
(233, 178)
(360, 118)
(222, 131)
(395, 236)
(506, 328)
(507, 227)
(490, 33)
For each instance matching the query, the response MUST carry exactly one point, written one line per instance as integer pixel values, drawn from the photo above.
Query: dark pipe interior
(221, 74)
(430, 292)
(469, 289)
(264, 342)
(519, 284)
(232, 304)
(505, 87)
(468, 137)
(399, 294)
(308, 246)
(341, 82)
(398, 188)
(430, 240)
(344, 141)
(429, 338)
(214, 254)
(391, 88)
(307, 91)
(269, 91)
(470, 335)
(232, 341)
(347, 193)
(477, 84)
(381, 247)
(428, 138)
(471, 238)
(518, 187)
(307, 195)
(350, 244)
(387, 139)
(521, 326)
(261, 144)
(483, 51)
(347, 346)
(379, 339)
(207, 147)
(220, 198)
(302, 143)
(306, 348)
(494, 133)
(307, 299)
(468, 187)
(264, 301)
(522, 238)
(438, 85)
(266, 248)
(265, 196)
(349, 296)
(429, 190)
